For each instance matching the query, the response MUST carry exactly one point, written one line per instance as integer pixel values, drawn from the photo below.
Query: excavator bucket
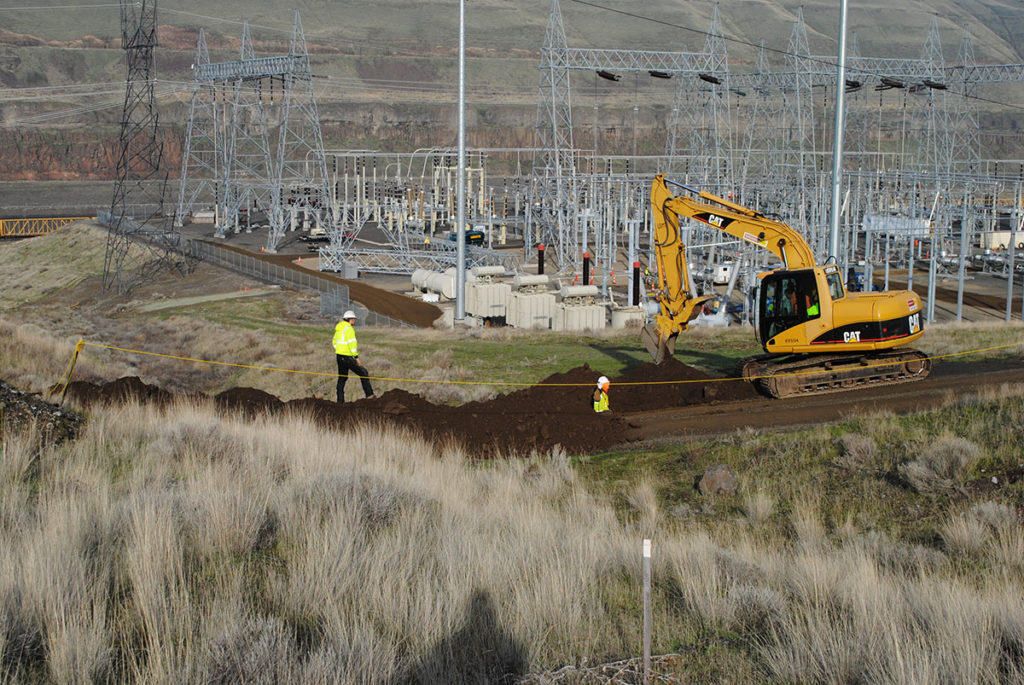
(658, 345)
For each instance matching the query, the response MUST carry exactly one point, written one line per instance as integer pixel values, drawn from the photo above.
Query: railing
(11, 228)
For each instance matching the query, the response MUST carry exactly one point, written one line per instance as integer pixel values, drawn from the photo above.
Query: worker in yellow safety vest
(346, 351)
(601, 395)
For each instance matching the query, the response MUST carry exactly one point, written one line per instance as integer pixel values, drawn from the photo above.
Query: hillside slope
(387, 71)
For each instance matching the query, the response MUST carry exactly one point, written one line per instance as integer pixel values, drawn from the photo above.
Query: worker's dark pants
(346, 364)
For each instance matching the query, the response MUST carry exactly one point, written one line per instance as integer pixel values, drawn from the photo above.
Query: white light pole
(837, 144)
(460, 214)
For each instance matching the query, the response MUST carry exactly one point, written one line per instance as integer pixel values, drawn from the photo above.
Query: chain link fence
(334, 297)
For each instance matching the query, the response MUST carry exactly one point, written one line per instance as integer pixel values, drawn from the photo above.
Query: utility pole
(837, 144)
(460, 214)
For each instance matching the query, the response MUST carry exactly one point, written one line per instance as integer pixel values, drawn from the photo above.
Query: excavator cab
(788, 299)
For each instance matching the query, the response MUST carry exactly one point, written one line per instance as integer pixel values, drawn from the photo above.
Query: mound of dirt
(673, 384)
(247, 400)
(119, 391)
(556, 411)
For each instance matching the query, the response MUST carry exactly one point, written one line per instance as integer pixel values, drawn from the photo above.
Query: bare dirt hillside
(387, 74)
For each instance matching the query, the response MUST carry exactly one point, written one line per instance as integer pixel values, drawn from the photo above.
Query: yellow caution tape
(65, 379)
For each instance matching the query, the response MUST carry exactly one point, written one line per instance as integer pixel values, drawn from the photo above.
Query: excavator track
(802, 375)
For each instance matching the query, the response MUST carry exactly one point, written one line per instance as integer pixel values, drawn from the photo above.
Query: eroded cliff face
(69, 155)
(91, 152)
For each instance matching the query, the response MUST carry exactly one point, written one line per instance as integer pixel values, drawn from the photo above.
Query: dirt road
(651, 404)
(947, 382)
(394, 305)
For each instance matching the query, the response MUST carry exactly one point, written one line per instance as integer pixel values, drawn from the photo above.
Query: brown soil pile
(557, 411)
(673, 384)
(129, 388)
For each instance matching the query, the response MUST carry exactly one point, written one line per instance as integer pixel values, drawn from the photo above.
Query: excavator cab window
(789, 299)
(835, 285)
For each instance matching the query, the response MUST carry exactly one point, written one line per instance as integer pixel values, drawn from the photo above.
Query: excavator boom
(740, 222)
(678, 305)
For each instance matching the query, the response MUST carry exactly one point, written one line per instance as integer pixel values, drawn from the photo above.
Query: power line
(42, 8)
(777, 51)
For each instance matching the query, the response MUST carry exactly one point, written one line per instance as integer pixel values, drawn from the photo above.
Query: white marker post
(647, 611)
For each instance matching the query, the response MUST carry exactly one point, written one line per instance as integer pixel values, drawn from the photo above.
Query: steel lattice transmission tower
(965, 142)
(136, 211)
(560, 185)
(934, 155)
(555, 174)
(700, 111)
(797, 146)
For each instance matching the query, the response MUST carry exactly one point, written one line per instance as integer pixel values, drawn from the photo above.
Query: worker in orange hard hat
(601, 395)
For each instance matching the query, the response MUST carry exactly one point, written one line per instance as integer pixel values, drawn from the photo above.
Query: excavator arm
(677, 306)
(775, 236)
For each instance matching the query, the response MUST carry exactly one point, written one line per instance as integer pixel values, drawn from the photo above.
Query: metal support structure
(300, 162)
(700, 108)
(797, 147)
(913, 148)
(24, 228)
(782, 168)
(137, 208)
(554, 170)
(230, 162)
(460, 221)
(704, 119)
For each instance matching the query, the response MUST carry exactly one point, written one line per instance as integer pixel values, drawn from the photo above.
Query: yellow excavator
(817, 336)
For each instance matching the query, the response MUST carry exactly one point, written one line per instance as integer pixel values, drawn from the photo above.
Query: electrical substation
(559, 234)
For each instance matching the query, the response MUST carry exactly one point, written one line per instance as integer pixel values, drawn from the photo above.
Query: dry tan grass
(34, 358)
(941, 465)
(34, 267)
(644, 500)
(758, 505)
(965, 534)
(197, 496)
(858, 451)
(837, 614)
(175, 545)
(807, 523)
(949, 338)
(983, 525)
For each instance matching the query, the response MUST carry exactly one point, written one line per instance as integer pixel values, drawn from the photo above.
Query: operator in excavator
(813, 308)
(791, 299)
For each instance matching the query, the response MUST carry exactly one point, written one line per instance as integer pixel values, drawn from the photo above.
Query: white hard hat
(602, 381)
(349, 314)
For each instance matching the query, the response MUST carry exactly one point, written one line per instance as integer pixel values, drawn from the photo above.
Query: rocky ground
(21, 411)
